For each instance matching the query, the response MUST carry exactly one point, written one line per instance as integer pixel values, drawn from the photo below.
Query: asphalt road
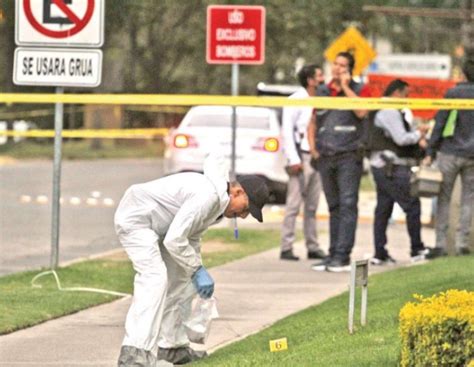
(90, 191)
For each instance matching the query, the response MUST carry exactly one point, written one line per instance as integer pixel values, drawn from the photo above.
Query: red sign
(419, 88)
(235, 34)
(78, 22)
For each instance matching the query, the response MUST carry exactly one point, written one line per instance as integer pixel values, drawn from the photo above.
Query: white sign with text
(57, 67)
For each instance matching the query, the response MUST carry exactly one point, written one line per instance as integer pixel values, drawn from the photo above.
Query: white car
(258, 143)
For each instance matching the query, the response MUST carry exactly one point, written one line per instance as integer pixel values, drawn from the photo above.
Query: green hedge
(438, 331)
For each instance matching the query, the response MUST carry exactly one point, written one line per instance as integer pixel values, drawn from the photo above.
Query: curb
(7, 160)
(91, 257)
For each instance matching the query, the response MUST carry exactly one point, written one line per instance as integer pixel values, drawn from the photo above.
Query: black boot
(288, 255)
(317, 254)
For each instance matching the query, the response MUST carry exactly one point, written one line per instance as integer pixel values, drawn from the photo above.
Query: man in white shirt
(304, 182)
(159, 224)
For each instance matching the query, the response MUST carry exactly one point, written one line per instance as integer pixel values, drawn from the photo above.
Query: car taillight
(184, 141)
(267, 145)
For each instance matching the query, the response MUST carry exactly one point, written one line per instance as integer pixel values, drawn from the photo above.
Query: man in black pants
(396, 147)
(337, 146)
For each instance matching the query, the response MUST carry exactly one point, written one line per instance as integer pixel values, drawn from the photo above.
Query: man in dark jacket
(452, 143)
(395, 148)
(337, 145)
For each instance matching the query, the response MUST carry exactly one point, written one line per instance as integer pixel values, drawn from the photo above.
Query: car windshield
(245, 122)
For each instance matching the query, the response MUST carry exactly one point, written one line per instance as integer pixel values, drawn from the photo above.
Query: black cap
(257, 191)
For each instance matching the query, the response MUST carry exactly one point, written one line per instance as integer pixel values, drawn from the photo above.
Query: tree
(159, 46)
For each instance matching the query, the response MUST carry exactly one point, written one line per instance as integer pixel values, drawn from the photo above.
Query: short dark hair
(307, 71)
(397, 84)
(468, 69)
(350, 59)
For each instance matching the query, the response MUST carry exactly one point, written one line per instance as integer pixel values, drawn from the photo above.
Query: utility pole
(467, 28)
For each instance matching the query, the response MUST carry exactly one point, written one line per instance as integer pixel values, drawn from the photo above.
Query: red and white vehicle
(258, 144)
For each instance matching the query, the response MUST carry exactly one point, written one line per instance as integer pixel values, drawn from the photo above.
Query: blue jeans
(340, 176)
(391, 190)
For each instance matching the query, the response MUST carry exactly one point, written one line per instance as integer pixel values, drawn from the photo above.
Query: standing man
(395, 148)
(159, 223)
(338, 146)
(304, 182)
(452, 142)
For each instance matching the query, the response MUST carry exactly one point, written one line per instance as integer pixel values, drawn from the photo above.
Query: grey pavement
(252, 294)
(90, 191)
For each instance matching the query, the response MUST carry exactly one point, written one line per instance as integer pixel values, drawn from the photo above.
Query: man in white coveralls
(159, 223)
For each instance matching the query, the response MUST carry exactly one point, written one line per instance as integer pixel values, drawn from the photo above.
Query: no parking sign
(77, 23)
(68, 24)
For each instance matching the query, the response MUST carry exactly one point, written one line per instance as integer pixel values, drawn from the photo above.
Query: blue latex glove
(203, 283)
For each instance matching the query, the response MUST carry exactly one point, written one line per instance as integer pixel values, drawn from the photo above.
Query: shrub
(439, 330)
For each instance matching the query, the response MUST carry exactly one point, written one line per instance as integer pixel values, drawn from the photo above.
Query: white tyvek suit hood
(216, 169)
(178, 208)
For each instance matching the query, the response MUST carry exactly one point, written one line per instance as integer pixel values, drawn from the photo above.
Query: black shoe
(433, 253)
(339, 266)
(463, 251)
(383, 260)
(180, 355)
(321, 265)
(288, 255)
(317, 254)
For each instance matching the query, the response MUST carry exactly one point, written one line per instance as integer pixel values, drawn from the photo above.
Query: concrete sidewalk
(252, 294)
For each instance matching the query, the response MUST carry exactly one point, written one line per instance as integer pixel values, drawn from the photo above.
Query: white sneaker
(321, 265)
(385, 261)
(338, 266)
(418, 258)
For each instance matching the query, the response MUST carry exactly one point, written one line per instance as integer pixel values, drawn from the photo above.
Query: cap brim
(256, 212)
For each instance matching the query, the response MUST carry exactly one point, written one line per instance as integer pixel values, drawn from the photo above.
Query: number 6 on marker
(278, 345)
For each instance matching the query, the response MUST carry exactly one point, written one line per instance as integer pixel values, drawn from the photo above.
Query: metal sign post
(235, 92)
(74, 24)
(58, 127)
(359, 277)
(235, 34)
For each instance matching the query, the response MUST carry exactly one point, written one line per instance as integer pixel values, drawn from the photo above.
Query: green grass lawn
(82, 149)
(22, 306)
(318, 336)
(250, 242)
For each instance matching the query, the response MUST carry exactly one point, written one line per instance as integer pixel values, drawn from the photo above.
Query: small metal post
(359, 277)
(352, 287)
(58, 127)
(363, 306)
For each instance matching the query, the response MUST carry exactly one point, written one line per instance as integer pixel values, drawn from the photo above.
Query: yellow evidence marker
(278, 345)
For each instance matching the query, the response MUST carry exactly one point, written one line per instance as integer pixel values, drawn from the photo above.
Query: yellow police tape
(193, 100)
(86, 133)
(50, 111)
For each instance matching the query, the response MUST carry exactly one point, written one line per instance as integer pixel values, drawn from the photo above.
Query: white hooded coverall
(159, 223)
